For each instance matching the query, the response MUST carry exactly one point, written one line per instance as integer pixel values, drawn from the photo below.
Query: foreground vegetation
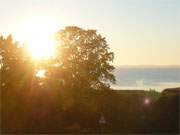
(124, 112)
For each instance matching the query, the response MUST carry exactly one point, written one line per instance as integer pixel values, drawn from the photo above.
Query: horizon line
(178, 66)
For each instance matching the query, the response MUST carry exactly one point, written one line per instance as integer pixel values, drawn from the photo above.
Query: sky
(139, 32)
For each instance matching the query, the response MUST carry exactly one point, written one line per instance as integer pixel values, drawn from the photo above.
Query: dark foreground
(123, 111)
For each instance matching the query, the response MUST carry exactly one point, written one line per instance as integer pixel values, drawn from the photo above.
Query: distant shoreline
(145, 88)
(147, 66)
(146, 78)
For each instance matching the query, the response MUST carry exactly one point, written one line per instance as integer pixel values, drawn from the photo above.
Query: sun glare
(38, 36)
(41, 73)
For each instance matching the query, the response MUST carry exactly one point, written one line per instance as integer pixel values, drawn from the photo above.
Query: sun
(38, 36)
(41, 45)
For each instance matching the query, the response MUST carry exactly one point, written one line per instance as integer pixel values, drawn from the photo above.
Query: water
(157, 78)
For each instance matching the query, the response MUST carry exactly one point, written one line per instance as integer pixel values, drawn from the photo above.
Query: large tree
(83, 59)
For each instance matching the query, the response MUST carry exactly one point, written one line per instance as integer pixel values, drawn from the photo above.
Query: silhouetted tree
(14, 62)
(83, 59)
(16, 73)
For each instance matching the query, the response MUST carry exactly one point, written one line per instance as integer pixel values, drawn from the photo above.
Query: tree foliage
(84, 59)
(14, 61)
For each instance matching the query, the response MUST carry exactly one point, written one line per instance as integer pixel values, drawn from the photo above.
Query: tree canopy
(82, 60)
(14, 61)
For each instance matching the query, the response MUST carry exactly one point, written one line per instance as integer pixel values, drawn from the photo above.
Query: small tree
(83, 59)
(15, 65)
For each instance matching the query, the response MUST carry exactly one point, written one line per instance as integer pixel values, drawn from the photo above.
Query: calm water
(147, 78)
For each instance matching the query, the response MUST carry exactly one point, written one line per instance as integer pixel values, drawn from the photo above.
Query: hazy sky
(140, 32)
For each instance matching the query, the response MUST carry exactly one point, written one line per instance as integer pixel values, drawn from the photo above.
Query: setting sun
(38, 36)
